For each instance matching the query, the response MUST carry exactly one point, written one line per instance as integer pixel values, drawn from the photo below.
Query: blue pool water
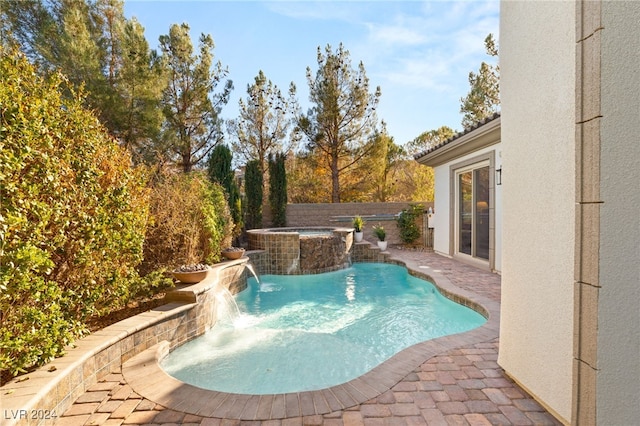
(307, 332)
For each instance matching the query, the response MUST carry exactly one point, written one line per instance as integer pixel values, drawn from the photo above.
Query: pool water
(306, 332)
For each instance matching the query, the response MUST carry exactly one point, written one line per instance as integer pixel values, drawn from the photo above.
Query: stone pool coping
(145, 376)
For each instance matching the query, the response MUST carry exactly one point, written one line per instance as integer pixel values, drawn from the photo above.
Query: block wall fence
(339, 214)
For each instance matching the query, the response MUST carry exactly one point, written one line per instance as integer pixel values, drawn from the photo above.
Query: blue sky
(418, 52)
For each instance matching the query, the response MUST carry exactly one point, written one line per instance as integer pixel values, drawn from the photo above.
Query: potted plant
(358, 226)
(232, 253)
(191, 273)
(381, 234)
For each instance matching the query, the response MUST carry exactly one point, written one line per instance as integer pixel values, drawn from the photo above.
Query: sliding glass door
(473, 212)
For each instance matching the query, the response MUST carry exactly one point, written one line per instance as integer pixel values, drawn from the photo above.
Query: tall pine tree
(278, 189)
(254, 194)
(191, 105)
(96, 46)
(483, 99)
(263, 124)
(342, 117)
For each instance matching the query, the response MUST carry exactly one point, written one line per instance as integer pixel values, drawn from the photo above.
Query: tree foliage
(253, 185)
(263, 124)
(219, 166)
(483, 99)
(278, 189)
(307, 181)
(429, 139)
(414, 182)
(191, 105)
(191, 222)
(386, 157)
(97, 48)
(385, 173)
(139, 80)
(342, 118)
(72, 218)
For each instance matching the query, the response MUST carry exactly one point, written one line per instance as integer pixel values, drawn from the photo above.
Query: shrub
(191, 222)
(278, 189)
(407, 223)
(72, 217)
(253, 184)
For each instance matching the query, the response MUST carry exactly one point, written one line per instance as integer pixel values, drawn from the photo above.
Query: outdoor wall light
(499, 176)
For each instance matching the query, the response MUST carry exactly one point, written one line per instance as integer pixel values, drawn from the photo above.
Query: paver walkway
(464, 386)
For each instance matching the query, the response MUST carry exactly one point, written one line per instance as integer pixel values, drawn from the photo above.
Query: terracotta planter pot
(232, 255)
(189, 277)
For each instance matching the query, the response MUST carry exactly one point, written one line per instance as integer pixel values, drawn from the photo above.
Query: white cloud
(315, 10)
(430, 47)
(395, 35)
(419, 52)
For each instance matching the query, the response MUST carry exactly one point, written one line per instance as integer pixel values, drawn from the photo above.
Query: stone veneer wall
(362, 252)
(282, 250)
(286, 252)
(325, 253)
(51, 389)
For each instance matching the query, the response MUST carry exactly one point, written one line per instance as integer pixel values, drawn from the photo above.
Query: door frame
(454, 170)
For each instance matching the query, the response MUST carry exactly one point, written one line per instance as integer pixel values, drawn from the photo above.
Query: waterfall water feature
(295, 265)
(227, 310)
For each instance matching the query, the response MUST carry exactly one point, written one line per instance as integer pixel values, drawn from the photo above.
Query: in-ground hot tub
(308, 250)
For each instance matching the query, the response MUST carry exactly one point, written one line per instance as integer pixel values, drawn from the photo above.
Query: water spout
(251, 269)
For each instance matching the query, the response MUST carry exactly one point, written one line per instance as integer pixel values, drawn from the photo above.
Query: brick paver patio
(463, 386)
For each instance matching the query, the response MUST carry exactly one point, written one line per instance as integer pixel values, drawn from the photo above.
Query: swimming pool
(298, 333)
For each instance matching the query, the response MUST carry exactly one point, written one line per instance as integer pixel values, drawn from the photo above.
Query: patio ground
(463, 386)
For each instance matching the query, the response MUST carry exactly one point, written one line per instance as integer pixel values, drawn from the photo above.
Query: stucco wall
(537, 65)
(618, 346)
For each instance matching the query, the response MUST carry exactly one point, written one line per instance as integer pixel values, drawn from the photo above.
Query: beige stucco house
(467, 219)
(568, 207)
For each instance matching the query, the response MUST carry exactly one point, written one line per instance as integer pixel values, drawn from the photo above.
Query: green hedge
(72, 218)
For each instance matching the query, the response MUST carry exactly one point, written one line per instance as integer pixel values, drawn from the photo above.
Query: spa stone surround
(297, 251)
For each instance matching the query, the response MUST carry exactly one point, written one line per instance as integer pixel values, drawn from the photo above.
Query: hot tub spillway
(251, 269)
(295, 251)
